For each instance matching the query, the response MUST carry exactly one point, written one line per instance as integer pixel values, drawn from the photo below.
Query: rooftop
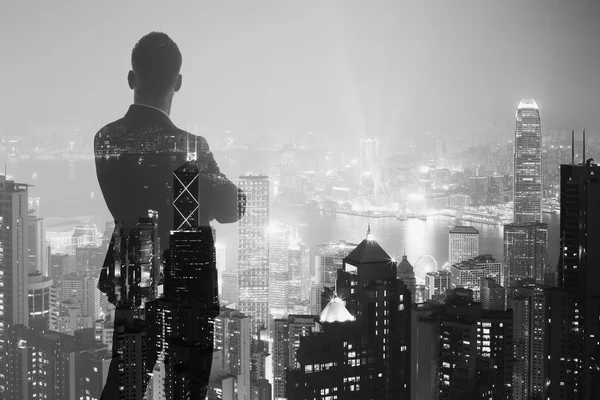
(464, 229)
(368, 252)
(528, 104)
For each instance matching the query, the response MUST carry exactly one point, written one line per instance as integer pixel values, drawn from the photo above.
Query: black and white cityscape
(310, 200)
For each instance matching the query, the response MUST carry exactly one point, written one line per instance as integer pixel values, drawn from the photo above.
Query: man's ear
(131, 79)
(178, 83)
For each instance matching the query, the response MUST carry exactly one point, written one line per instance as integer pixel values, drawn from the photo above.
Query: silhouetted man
(136, 157)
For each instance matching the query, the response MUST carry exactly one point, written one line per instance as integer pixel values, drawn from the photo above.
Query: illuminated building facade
(253, 251)
(525, 252)
(493, 296)
(13, 267)
(468, 274)
(436, 284)
(528, 164)
(463, 244)
(233, 339)
(573, 344)
(529, 307)
(286, 341)
(298, 275)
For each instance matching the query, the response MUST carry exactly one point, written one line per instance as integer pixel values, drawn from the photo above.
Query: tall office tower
(286, 340)
(328, 261)
(37, 245)
(528, 303)
(528, 164)
(233, 339)
(577, 302)
(370, 333)
(493, 296)
(38, 289)
(190, 271)
(406, 273)
(253, 251)
(436, 284)
(279, 241)
(525, 252)
(13, 266)
(299, 274)
(463, 244)
(468, 274)
(180, 324)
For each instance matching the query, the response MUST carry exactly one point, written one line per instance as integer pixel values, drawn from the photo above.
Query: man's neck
(162, 104)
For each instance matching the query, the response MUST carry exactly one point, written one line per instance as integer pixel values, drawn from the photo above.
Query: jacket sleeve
(219, 197)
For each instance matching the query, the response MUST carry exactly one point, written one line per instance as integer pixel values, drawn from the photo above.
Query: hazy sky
(360, 68)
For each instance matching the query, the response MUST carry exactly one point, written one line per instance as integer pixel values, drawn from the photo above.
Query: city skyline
(397, 217)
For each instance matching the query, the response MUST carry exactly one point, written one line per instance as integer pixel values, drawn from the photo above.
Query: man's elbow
(230, 212)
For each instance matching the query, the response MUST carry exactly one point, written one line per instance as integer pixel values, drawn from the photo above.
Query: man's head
(155, 62)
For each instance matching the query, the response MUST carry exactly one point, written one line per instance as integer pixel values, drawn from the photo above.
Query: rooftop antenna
(573, 147)
(584, 146)
(368, 230)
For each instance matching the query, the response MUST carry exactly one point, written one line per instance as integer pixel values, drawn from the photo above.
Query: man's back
(135, 160)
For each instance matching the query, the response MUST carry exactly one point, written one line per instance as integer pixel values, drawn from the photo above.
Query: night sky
(343, 68)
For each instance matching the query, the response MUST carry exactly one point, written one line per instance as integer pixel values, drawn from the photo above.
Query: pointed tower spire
(369, 231)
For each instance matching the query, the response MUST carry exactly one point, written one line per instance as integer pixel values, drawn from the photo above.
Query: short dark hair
(156, 62)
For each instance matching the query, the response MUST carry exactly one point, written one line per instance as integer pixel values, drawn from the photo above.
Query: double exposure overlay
(266, 200)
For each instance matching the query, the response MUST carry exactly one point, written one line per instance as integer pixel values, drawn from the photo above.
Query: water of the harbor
(69, 190)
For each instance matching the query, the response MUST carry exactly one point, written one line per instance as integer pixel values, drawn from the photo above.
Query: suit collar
(149, 114)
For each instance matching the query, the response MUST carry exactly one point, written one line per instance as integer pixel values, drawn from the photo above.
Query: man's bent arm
(220, 197)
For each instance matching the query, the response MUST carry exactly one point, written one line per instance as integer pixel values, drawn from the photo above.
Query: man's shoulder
(122, 134)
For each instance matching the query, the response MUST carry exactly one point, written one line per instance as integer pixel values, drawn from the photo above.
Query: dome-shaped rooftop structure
(336, 311)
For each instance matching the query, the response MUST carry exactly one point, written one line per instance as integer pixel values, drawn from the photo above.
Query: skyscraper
(13, 266)
(529, 306)
(573, 336)
(360, 349)
(463, 244)
(525, 252)
(233, 338)
(253, 251)
(286, 340)
(528, 164)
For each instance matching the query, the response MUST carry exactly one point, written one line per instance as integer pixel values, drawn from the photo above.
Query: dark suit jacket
(135, 160)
